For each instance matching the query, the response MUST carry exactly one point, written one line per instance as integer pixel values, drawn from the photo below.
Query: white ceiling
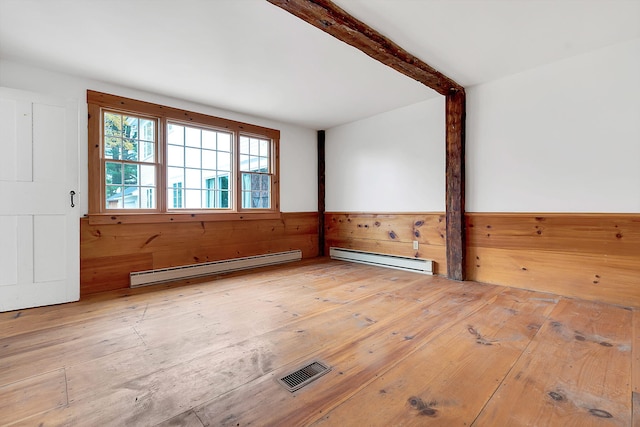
(252, 57)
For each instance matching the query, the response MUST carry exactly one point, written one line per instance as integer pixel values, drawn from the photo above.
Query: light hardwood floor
(405, 349)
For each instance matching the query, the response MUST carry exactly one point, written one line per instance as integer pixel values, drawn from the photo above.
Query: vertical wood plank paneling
(590, 256)
(455, 176)
(109, 252)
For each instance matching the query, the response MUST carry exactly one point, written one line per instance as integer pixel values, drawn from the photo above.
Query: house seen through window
(130, 169)
(158, 159)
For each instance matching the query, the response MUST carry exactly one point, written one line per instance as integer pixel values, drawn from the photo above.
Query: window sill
(151, 218)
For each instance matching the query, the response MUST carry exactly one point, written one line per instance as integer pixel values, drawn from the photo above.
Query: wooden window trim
(157, 163)
(97, 213)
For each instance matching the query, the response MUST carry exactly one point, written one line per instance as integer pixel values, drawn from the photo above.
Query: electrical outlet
(415, 245)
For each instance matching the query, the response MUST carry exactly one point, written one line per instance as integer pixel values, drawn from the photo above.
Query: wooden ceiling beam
(333, 20)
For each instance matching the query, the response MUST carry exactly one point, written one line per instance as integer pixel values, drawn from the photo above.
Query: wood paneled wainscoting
(589, 256)
(390, 233)
(109, 252)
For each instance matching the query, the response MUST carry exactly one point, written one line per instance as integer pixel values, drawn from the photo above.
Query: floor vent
(304, 376)
(419, 265)
(161, 275)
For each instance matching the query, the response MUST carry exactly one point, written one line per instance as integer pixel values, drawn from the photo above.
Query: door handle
(72, 193)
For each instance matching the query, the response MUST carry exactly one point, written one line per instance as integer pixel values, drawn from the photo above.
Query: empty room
(319, 213)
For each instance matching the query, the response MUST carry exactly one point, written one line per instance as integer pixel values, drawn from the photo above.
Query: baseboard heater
(419, 265)
(162, 275)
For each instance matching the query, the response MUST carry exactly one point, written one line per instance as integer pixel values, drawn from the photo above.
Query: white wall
(564, 137)
(298, 154)
(391, 162)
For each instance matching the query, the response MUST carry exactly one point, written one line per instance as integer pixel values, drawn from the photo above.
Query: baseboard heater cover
(419, 265)
(162, 275)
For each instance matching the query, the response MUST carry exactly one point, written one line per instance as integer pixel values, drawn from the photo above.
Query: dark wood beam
(321, 193)
(333, 20)
(455, 174)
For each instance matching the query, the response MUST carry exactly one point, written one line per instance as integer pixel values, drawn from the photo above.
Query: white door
(39, 229)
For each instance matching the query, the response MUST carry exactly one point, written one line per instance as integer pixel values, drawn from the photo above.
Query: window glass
(160, 159)
(256, 178)
(198, 163)
(129, 153)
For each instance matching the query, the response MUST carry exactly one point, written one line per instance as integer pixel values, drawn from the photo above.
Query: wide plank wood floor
(404, 348)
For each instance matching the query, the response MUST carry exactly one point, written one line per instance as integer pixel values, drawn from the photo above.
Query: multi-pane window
(148, 158)
(129, 161)
(255, 170)
(201, 159)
